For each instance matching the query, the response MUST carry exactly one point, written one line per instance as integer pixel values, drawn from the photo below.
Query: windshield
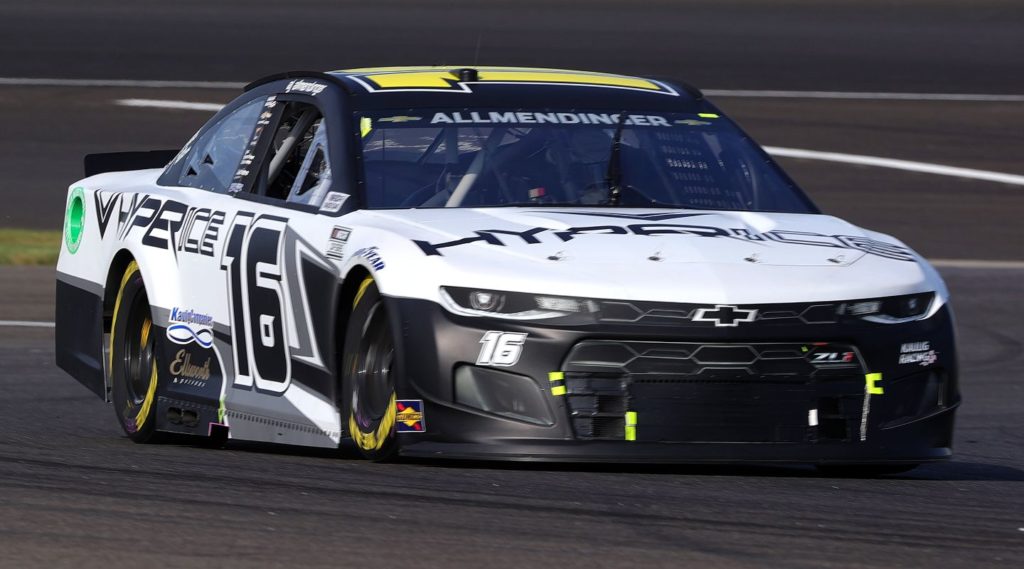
(446, 158)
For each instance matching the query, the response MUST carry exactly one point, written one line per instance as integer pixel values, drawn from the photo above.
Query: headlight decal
(515, 305)
(892, 309)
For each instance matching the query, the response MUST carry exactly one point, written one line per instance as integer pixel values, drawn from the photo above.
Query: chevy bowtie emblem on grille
(724, 315)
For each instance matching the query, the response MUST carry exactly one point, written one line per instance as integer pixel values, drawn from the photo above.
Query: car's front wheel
(133, 362)
(368, 375)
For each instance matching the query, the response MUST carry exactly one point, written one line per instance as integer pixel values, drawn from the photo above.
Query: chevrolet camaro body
(573, 266)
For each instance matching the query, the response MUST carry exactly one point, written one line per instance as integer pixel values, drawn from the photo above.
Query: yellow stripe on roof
(562, 77)
(419, 80)
(445, 77)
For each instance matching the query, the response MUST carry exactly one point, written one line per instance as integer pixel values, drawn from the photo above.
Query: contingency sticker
(920, 353)
(409, 416)
(336, 243)
(333, 202)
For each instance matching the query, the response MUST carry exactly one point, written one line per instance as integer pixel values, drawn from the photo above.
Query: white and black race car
(497, 263)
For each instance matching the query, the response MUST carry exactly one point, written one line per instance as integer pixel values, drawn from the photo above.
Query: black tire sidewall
(126, 409)
(361, 312)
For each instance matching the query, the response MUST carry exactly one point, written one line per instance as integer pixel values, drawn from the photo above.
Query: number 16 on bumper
(501, 348)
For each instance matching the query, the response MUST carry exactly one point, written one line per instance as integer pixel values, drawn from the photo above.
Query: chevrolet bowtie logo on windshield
(724, 315)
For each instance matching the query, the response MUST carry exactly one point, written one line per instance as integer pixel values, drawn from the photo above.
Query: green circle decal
(74, 221)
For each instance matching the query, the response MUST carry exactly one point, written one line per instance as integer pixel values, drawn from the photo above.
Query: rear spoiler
(124, 161)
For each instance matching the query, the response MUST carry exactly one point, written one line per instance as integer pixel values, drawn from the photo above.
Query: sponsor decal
(409, 417)
(333, 202)
(336, 243)
(920, 353)
(536, 235)
(191, 317)
(724, 315)
(74, 220)
(184, 334)
(302, 86)
(105, 204)
(187, 371)
(527, 117)
(372, 255)
(833, 358)
(501, 349)
(188, 326)
(165, 224)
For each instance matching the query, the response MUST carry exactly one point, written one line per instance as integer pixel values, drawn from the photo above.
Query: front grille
(715, 392)
(683, 315)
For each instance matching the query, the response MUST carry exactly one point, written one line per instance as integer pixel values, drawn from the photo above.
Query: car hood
(684, 255)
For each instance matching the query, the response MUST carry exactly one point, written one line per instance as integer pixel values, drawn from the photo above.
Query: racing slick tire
(133, 359)
(368, 375)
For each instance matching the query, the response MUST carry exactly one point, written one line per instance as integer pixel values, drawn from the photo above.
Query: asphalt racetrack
(74, 492)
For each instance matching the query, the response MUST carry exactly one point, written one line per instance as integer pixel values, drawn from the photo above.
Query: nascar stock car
(497, 263)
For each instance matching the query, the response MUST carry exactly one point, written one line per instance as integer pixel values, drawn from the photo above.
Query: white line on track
(866, 96)
(751, 93)
(908, 165)
(975, 264)
(47, 82)
(166, 104)
(26, 324)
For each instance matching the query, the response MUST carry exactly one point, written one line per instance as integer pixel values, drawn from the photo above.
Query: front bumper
(663, 392)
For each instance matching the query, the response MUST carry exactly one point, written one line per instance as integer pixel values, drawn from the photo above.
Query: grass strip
(29, 246)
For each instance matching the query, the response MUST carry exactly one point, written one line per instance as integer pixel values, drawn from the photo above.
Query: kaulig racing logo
(920, 353)
(184, 334)
(188, 326)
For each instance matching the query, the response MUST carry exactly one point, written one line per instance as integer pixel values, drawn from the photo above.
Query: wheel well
(349, 288)
(114, 274)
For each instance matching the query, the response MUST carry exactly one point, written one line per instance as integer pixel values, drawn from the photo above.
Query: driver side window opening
(297, 168)
(215, 156)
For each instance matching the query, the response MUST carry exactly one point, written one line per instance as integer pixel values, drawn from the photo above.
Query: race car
(497, 263)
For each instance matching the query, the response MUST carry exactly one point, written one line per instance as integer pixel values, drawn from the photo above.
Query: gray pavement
(74, 492)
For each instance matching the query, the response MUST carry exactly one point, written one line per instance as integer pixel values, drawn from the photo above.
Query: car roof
(488, 86)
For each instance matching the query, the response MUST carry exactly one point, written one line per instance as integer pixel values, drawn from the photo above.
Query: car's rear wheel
(133, 360)
(368, 375)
